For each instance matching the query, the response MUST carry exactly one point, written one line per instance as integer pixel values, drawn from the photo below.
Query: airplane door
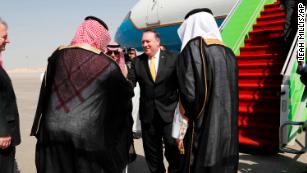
(152, 17)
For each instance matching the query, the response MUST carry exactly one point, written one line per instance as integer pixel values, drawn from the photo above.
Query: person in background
(291, 22)
(130, 56)
(207, 74)
(302, 70)
(155, 72)
(82, 115)
(116, 52)
(163, 47)
(9, 117)
(132, 53)
(136, 128)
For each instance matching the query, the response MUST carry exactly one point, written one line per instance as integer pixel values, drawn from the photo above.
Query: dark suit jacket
(9, 118)
(303, 72)
(161, 95)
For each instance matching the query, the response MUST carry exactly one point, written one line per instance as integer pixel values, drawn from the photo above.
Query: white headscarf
(199, 24)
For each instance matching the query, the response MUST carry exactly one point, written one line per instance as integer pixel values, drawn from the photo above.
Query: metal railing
(284, 113)
(289, 150)
(229, 15)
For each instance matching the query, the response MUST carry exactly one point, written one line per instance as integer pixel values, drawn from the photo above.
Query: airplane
(165, 19)
(165, 16)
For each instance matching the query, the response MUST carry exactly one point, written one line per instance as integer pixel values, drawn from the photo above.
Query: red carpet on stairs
(260, 63)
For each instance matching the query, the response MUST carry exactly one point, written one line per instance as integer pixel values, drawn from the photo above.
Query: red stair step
(270, 6)
(258, 111)
(264, 104)
(258, 64)
(251, 128)
(243, 140)
(279, 27)
(259, 86)
(249, 133)
(268, 33)
(260, 69)
(271, 59)
(263, 49)
(260, 58)
(264, 117)
(263, 126)
(252, 125)
(272, 17)
(271, 11)
(270, 22)
(266, 71)
(276, 25)
(278, 42)
(250, 97)
(259, 133)
(272, 79)
(258, 75)
(259, 92)
(259, 89)
(276, 14)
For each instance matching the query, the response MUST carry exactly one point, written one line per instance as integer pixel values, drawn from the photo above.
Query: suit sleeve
(132, 74)
(304, 71)
(4, 130)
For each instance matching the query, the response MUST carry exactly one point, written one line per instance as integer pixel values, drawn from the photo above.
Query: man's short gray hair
(3, 22)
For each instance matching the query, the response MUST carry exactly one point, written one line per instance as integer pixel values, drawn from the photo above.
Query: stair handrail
(233, 9)
(250, 23)
(283, 147)
(236, 42)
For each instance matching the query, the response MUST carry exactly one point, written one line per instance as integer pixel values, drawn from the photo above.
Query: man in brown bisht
(81, 121)
(208, 86)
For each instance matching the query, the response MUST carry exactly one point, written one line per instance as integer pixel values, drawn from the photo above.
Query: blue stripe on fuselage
(128, 36)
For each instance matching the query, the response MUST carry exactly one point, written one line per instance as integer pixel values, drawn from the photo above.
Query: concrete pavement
(27, 87)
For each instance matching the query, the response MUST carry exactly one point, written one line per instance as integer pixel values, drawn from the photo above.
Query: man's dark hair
(194, 11)
(157, 35)
(131, 49)
(98, 20)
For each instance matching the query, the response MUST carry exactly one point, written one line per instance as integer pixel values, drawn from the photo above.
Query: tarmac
(27, 86)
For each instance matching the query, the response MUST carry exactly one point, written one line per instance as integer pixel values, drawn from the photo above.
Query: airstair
(270, 92)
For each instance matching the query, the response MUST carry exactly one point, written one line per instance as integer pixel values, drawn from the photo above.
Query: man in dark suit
(155, 72)
(9, 118)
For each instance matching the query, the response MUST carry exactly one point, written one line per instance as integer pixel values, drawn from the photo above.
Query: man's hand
(180, 146)
(5, 142)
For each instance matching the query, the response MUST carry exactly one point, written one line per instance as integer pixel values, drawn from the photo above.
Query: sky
(38, 27)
